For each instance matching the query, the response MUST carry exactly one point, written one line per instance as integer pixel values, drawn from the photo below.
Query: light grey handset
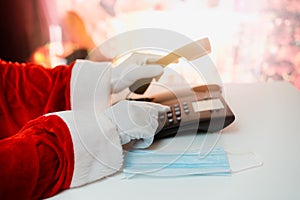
(190, 51)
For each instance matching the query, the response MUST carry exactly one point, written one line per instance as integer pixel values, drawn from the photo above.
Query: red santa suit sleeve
(28, 91)
(61, 149)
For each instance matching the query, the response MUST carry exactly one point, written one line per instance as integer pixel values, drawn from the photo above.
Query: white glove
(136, 120)
(134, 68)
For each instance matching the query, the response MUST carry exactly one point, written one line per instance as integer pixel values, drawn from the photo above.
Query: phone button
(176, 109)
(177, 113)
(187, 111)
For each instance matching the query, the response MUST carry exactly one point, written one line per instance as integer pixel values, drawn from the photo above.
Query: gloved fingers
(160, 107)
(143, 143)
(143, 117)
(141, 135)
(157, 106)
(145, 122)
(136, 120)
(132, 73)
(140, 72)
(125, 138)
(151, 112)
(149, 125)
(135, 109)
(146, 135)
(152, 58)
(143, 58)
(137, 66)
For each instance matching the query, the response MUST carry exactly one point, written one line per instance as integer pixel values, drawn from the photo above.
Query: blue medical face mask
(216, 162)
(153, 163)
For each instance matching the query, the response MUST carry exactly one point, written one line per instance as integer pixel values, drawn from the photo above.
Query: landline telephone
(200, 109)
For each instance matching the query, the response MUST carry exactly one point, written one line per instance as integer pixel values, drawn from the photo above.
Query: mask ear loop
(250, 155)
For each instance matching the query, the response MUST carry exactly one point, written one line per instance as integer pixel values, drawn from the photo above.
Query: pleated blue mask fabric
(154, 163)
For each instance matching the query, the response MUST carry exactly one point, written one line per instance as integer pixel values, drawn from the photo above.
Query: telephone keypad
(181, 112)
(176, 110)
(185, 116)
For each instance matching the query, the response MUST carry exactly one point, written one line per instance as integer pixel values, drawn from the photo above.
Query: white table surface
(267, 124)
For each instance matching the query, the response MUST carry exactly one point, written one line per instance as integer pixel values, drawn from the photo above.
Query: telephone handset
(190, 51)
(201, 109)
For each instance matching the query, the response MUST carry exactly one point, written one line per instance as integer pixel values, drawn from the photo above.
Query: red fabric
(28, 91)
(37, 160)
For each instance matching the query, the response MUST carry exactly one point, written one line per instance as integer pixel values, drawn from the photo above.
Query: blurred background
(251, 40)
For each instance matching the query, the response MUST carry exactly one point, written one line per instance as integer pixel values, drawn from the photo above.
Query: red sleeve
(38, 161)
(28, 91)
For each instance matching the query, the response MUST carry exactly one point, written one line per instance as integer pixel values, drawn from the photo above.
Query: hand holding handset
(190, 51)
(200, 109)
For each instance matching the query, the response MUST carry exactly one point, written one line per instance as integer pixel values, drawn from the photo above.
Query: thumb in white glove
(136, 121)
(134, 68)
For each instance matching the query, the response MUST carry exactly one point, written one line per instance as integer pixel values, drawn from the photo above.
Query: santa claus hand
(135, 121)
(135, 68)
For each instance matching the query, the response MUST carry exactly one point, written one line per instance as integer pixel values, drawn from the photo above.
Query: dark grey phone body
(200, 109)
